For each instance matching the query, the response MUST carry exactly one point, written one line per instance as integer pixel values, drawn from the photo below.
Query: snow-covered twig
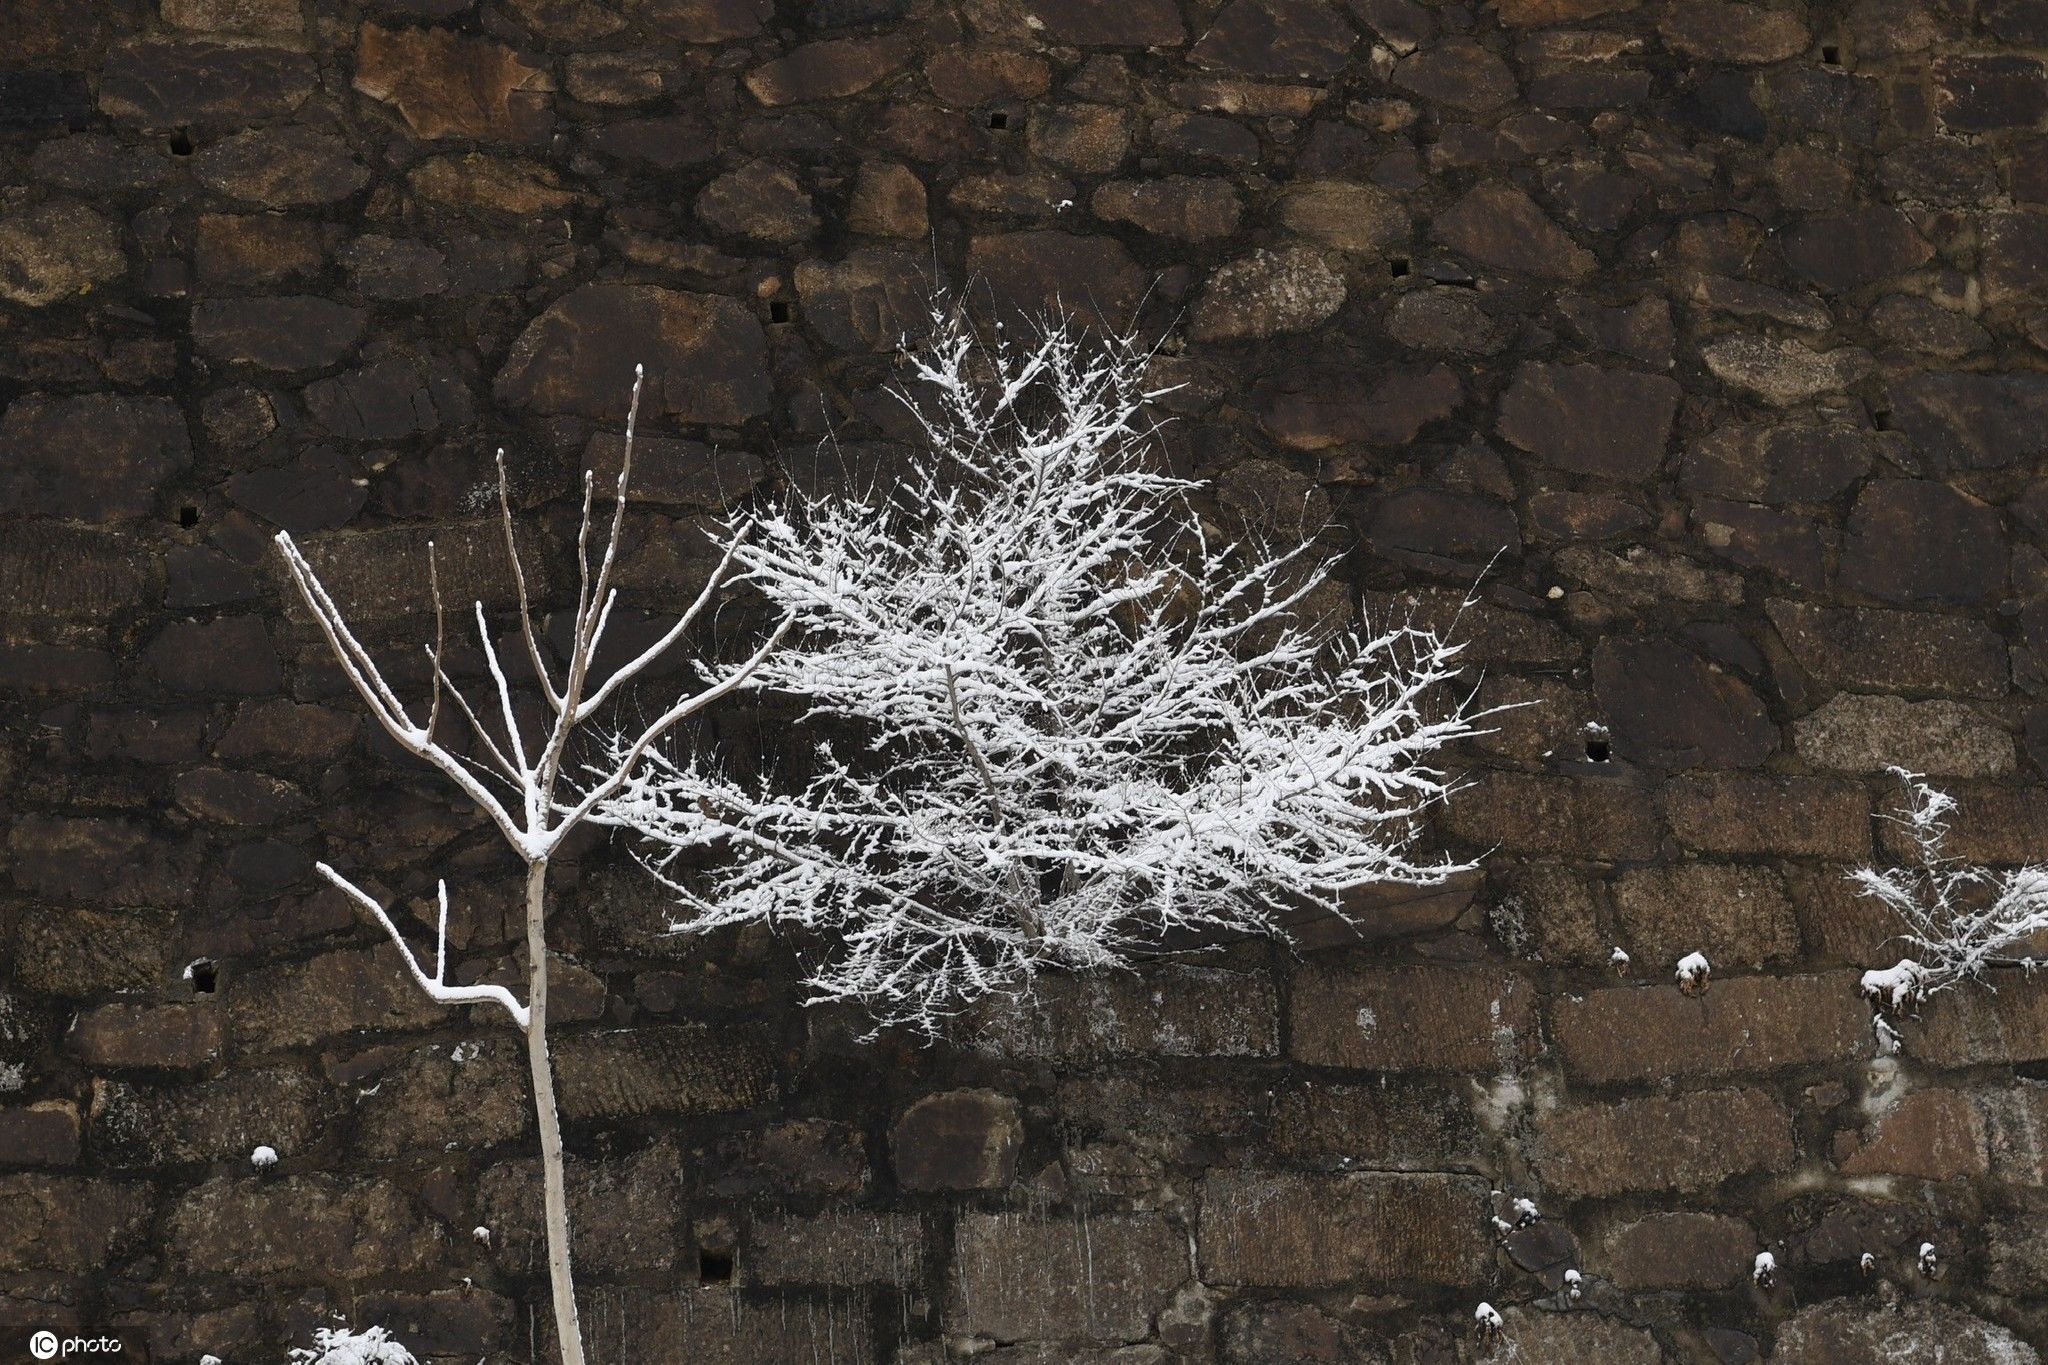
(435, 985)
(344, 1346)
(1064, 720)
(1961, 919)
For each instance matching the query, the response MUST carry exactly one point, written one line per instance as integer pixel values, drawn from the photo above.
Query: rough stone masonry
(1721, 324)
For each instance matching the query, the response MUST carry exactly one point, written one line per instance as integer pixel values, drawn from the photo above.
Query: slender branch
(436, 985)
(533, 651)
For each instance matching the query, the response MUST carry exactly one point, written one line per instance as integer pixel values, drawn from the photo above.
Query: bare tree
(1961, 919)
(523, 785)
(1070, 721)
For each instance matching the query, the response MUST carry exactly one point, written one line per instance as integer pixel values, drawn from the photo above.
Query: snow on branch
(1061, 719)
(436, 985)
(344, 1346)
(1960, 919)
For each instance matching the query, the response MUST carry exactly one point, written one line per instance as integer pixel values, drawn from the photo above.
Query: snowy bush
(1066, 719)
(344, 1346)
(1960, 919)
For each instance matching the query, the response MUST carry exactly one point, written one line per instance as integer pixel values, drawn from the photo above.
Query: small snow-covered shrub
(345, 1346)
(1960, 919)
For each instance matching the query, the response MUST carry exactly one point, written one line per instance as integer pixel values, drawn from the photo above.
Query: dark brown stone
(389, 400)
(840, 1248)
(290, 332)
(1691, 1141)
(1448, 1019)
(826, 70)
(301, 1229)
(1781, 542)
(1193, 208)
(1091, 139)
(167, 85)
(1739, 916)
(1028, 274)
(257, 248)
(1669, 708)
(224, 1118)
(1265, 293)
(705, 355)
(677, 1069)
(1778, 464)
(1280, 38)
(42, 1134)
(1893, 651)
(121, 1036)
(1749, 1025)
(97, 859)
(446, 84)
(1522, 813)
(1033, 1276)
(957, 1140)
(1913, 540)
(705, 21)
(281, 167)
(1433, 525)
(1680, 1251)
(1500, 226)
(57, 250)
(1172, 1012)
(96, 457)
(232, 654)
(1085, 23)
(1298, 1231)
(1843, 1332)
(759, 202)
(1716, 32)
(1463, 75)
(1749, 813)
(1973, 421)
(1985, 94)
(1590, 420)
(1849, 250)
(1315, 409)
(66, 1224)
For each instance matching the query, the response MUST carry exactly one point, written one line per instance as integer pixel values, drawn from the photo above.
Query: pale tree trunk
(561, 1280)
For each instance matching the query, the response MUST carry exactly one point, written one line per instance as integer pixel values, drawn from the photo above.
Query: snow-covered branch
(1960, 919)
(1059, 719)
(436, 985)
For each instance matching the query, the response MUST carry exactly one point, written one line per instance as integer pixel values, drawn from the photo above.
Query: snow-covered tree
(536, 788)
(1960, 918)
(1061, 718)
(345, 1346)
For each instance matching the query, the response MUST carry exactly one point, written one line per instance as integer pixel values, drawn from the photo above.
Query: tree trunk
(560, 1279)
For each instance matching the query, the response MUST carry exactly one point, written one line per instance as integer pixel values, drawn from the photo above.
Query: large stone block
(1285, 1230)
(203, 85)
(446, 1097)
(65, 1224)
(957, 1140)
(1747, 1025)
(841, 1248)
(1684, 1143)
(1859, 733)
(1170, 1011)
(93, 457)
(1862, 648)
(1453, 1019)
(1524, 813)
(1083, 1277)
(1682, 1250)
(221, 1119)
(715, 1324)
(337, 993)
(1670, 708)
(1853, 1331)
(304, 1229)
(1750, 813)
(705, 355)
(626, 1214)
(447, 84)
(1737, 914)
(673, 1069)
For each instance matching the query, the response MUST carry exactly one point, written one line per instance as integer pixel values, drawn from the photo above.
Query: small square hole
(1398, 267)
(999, 121)
(1831, 55)
(188, 517)
(714, 1267)
(180, 143)
(778, 311)
(203, 975)
(1598, 750)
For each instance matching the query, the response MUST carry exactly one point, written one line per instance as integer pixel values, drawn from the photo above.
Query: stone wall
(1726, 320)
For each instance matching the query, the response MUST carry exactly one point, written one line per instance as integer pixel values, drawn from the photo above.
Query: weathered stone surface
(705, 355)
(221, 1119)
(231, 654)
(707, 21)
(1265, 293)
(759, 202)
(1572, 1337)
(1084, 23)
(1092, 279)
(1450, 1019)
(66, 1224)
(286, 332)
(96, 859)
(1377, 1123)
(625, 1213)
(1345, 215)
(87, 952)
(851, 1247)
(444, 1097)
(1276, 38)
(1590, 420)
(42, 1134)
(1193, 208)
(446, 84)
(268, 18)
(505, 188)
(1057, 1277)
(1847, 251)
(715, 1324)
(1914, 540)
(57, 250)
(1975, 1028)
(1317, 408)
(1296, 1231)
(300, 1229)
(888, 201)
(1739, 916)
(1692, 1141)
(1680, 1251)
(1783, 371)
(1983, 94)
(1174, 1012)
(281, 167)
(1500, 226)
(1868, 734)
(334, 994)
(957, 1140)
(1847, 1332)
(1753, 814)
(120, 1036)
(1716, 32)
(2016, 253)
(1973, 421)
(1745, 1025)
(831, 69)
(94, 457)
(673, 1069)
(1775, 464)
(1669, 708)
(1528, 814)
(164, 85)
(1463, 75)
(1867, 648)
(1928, 1135)
(970, 76)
